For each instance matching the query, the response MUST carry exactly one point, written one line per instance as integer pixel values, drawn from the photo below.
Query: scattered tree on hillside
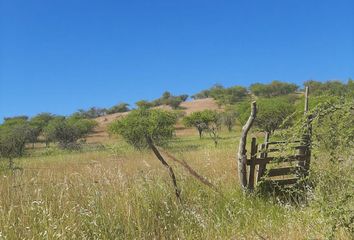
(67, 131)
(271, 113)
(143, 104)
(119, 108)
(331, 88)
(200, 120)
(22, 117)
(93, 112)
(275, 88)
(223, 95)
(148, 128)
(214, 128)
(228, 118)
(13, 137)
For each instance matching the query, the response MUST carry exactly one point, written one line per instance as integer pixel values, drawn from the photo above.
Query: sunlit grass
(121, 193)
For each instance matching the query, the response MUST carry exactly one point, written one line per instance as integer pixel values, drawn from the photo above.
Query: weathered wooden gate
(278, 163)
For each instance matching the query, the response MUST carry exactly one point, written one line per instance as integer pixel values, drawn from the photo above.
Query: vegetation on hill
(120, 191)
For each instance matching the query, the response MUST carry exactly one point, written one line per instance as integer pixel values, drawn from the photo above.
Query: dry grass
(121, 193)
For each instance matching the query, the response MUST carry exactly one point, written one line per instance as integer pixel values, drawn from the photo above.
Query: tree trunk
(200, 131)
(242, 157)
(169, 168)
(11, 164)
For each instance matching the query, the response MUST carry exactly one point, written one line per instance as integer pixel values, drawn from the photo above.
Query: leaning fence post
(241, 155)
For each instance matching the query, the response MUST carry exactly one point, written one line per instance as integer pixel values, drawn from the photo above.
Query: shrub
(13, 136)
(270, 113)
(148, 128)
(201, 120)
(121, 107)
(67, 131)
(275, 88)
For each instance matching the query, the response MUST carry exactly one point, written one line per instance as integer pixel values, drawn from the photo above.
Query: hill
(100, 134)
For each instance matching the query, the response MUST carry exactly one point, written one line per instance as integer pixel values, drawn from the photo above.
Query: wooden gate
(269, 162)
(279, 163)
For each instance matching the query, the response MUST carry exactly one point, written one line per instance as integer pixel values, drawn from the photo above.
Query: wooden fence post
(241, 155)
(264, 154)
(252, 163)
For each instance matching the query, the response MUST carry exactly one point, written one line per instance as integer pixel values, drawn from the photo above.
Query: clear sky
(61, 55)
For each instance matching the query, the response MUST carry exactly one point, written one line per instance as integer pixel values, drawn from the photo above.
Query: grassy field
(116, 192)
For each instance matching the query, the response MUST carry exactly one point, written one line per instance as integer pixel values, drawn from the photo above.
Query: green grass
(121, 193)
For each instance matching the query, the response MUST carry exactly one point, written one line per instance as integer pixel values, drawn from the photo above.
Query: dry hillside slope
(100, 134)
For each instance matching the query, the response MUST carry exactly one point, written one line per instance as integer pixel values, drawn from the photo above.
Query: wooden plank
(282, 182)
(283, 142)
(279, 149)
(252, 164)
(281, 171)
(278, 159)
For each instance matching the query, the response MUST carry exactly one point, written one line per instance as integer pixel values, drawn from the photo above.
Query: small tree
(144, 104)
(67, 131)
(174, 102)
(200, 120)
(214, 127)
(121, 107)
(228, 118)
(275, 88)
(13, 137)
(148, 128)
(271, 113)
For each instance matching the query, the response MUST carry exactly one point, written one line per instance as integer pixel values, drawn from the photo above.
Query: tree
(271, 112)
(13, 137)
(37, 124)
(275, 88)
(144, 104)
(214, 128)
(183, 97)
(174, 102)
(148, 128)
(200, 120)
(121, 107)
(67, 131)
(224, 95)
(331, 88)
(228, 118)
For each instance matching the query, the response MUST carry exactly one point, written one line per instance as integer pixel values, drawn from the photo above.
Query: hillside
(100, 134)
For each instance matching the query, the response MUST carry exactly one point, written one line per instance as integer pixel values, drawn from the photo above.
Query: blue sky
(61, 55)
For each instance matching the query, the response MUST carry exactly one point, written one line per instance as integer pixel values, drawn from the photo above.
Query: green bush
(271, 113)
(201, 120)
(275, 88)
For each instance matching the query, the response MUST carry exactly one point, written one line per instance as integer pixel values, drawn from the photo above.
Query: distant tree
(148, 128)
(121, 107)
(184, 97)
(67, 131)
(93, 112)
(332, 88)
(200, 120)
(166, 95)
(224, 95)
(214, 127)
(275, 88)
(37, 125)
(229, 117)
(22, 117)
(174, 102)
(13, 137)
(144, 104)
(271, 112)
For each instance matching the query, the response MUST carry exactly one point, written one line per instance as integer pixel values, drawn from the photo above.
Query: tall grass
(120, 193)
